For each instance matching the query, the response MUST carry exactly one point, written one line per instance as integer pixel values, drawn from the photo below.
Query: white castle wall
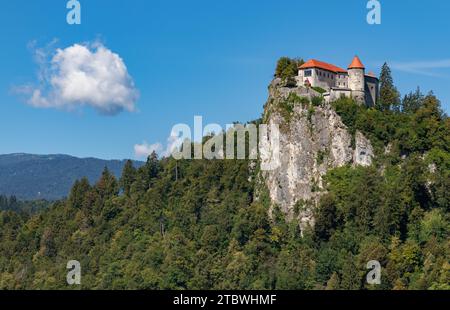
(319, 78)
(354, 84)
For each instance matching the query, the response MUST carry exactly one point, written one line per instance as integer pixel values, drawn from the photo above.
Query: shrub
(317, 101)
(287, 70)
(319, 89)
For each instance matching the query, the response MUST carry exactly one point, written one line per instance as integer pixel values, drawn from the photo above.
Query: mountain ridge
(50, 176)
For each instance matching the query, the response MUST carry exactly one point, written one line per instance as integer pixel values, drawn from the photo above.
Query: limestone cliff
(313, 139)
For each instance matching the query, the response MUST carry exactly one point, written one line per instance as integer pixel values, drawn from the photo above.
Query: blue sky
(208, 58)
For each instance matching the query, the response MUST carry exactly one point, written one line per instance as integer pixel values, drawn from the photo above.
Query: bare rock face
(313, 140)
(363, 150)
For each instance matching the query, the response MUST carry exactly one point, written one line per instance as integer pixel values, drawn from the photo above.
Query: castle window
(308, 72)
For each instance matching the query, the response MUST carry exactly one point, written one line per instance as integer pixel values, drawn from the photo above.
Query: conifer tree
(152, 166)
(389, 95)
(128, 177)
(78, 192)
(107, 185)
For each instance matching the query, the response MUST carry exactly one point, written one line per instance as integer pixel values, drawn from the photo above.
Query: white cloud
(83, 75)
(145, 149)
(422, 67)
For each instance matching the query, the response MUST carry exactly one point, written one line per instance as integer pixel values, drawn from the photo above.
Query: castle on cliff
(338, 82)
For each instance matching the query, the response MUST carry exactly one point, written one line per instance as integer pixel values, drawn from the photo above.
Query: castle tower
(356, 80)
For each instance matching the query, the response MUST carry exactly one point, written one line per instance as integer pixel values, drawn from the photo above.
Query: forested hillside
(13, 204)
(204, 224)
(50, 177)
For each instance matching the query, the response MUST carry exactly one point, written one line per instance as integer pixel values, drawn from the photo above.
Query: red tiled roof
(313, 63)
(356, 63)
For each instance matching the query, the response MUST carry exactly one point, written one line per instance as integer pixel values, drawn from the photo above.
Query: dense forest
(11, 203)
(205, 224)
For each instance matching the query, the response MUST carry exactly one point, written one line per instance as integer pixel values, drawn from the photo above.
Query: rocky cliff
(313, 140)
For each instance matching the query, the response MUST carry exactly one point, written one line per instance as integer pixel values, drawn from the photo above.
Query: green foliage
(389, 95)
(434, 225)
(287, 70)
(398, 208)
(196, 224)
(321, 155)
(310, 114)
(412, 101)
(317, 101)
(319, 89)
(128, 177)
(28, 207)
(326, 217)
(421, 131)
(286, 107)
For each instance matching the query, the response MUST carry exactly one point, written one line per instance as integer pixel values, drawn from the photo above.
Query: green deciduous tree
(287, 70)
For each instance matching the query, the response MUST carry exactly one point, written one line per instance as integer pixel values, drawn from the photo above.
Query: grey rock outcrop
(313, 140)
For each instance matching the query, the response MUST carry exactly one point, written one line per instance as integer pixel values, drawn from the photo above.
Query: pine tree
(326, 219)
(389, 95)
(333, 283)
(152, 166)
(78, 193)
(107, 185)
(351, 279)
(128, 177)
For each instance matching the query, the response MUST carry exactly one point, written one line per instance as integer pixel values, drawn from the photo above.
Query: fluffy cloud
(83, 75)
(144, 150)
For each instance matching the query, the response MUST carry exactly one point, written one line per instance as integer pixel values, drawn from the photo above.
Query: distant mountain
(49, 177)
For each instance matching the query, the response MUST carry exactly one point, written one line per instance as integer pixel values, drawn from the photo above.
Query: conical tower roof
(356, 64)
